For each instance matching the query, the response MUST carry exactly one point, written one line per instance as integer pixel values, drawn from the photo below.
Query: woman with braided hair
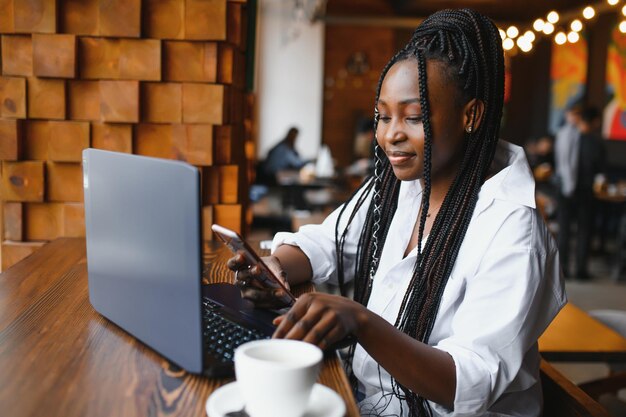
(455, 273)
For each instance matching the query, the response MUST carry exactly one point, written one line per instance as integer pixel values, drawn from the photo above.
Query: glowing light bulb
(624, 10)
(508, 44)
(524, 44)
(560, 38)
(530, 35)
(553, 17)
(502, 33)
(576, 25)
(512, 32)
(612, 2)
(622, 26)
(538, 25)
(573, 37)
(589, 12)
(548, 28)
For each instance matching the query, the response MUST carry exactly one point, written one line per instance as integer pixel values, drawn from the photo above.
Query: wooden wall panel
(229, 215)
(164, 19)
(73, 220)
(140, 59)
(205, 19)
(10, 140)
(54, 55)
(13, 97)
(6, 16)
(36, 137)
(98, 58)
(119, 18)
(13, 222)
(162, 102)
(35, 16)
(79, 17)
(43, 221)
(229, 183)
(199, 146)
(17, 55)
(67, 141)
(204, 103)
(160, 140)
(119, 101)
(162, 78)
(22, 181)
(46, 98)
(84, 100)
(64, 182)
(190, 61)
(112, 137)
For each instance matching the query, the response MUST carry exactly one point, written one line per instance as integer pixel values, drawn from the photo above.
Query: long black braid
(469, 47)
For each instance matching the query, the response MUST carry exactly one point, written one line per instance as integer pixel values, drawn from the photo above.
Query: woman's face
(400, 132)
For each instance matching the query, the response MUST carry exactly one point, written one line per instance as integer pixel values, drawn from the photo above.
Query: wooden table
(574, 336)
(58, 357)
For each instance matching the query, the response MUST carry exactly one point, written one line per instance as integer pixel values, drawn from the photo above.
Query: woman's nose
(394, 132)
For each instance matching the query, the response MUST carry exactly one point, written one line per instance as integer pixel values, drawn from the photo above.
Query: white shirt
(504, 289)
(566, 154)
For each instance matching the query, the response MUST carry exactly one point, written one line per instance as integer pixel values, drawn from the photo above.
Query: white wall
(290, 67)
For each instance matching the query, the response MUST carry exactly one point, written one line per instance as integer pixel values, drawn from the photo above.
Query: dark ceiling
(499, 10)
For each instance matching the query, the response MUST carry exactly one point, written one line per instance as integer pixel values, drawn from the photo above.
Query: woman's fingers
(237, 262)
(319, 319)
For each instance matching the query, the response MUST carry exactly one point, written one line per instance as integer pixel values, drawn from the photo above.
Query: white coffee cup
(276, 376)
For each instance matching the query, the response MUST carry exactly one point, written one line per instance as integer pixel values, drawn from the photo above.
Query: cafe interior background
(218, 83)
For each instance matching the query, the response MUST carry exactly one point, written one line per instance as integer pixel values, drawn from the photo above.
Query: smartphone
(237, 245)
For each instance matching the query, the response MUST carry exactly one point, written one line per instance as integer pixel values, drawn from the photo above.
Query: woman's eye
(384, 119)
(415, 119)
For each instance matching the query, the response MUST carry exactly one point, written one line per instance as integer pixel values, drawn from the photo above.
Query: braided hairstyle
(468, 46)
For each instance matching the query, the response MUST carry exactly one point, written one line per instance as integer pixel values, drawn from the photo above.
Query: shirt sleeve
(318, 241)
(515, 293)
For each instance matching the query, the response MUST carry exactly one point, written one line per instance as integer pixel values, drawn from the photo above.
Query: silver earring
(468, 129)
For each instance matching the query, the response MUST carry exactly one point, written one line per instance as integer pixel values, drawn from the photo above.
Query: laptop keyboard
(221, 335)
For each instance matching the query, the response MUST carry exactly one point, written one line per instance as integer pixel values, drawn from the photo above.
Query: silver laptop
(144, 261)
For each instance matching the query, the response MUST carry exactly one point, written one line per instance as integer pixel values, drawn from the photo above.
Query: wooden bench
(563, 398)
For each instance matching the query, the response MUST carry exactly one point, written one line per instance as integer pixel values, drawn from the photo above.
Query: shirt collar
(514, 183)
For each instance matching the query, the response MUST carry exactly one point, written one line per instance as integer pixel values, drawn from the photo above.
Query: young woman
(455, 273)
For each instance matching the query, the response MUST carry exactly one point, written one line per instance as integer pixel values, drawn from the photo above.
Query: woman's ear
(473, 114)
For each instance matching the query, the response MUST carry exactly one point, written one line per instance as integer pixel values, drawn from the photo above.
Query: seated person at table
(456, 275)
(283, 156)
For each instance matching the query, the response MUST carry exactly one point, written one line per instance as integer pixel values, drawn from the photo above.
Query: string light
(573, 37)
(548, 28)
(589, 12)
(530, 35)
(553, 17)
(508, 44)
(576, 25)
(524, 44)
(502, 33)
(512, 32)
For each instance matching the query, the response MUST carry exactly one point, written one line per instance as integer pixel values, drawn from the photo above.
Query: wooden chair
(562, 398)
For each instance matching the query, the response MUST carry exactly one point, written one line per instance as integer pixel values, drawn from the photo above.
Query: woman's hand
(321, 319)
(246, 278)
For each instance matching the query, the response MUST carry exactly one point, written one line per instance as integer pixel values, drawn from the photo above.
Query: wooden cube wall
(162, 78)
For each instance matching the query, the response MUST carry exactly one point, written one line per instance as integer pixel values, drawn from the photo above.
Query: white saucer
(324, 402)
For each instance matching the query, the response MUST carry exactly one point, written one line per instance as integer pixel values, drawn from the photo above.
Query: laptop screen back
(144, 250)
